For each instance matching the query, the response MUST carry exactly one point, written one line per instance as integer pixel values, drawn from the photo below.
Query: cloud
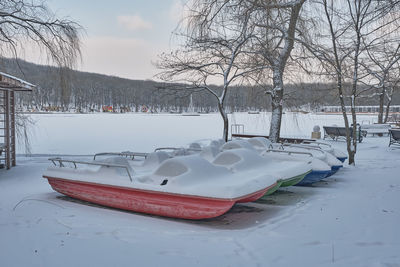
(124, 57)
(134, 23)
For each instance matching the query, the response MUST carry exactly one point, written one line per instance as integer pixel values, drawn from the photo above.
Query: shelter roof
(11, 83)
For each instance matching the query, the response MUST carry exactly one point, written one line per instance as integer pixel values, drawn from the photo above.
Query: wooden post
(3, 129)
(12, 130)
(7, 128)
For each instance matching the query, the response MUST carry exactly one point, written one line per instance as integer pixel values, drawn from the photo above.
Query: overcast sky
(122, 37)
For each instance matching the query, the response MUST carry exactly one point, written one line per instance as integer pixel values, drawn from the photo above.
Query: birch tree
(276, 23)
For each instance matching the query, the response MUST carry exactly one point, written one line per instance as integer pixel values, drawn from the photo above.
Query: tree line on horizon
(91, 91)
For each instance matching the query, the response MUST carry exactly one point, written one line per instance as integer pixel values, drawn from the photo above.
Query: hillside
(90, 91)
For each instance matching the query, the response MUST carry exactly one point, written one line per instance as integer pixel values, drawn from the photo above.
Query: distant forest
(85, 92)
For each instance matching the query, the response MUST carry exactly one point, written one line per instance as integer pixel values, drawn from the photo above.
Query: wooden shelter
(8, 86)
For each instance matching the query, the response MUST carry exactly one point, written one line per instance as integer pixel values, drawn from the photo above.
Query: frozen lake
(83, 134)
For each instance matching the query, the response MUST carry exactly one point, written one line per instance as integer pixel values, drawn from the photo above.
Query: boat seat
(171, 168)
(235, 144)
(209, 152)
(187, 170)
(259, 142)
(155, 158)
(217, 143)
(239, 159)
(227, 159)
(195, 146)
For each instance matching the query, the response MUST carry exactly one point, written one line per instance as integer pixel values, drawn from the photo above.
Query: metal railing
(75, 162)
(237, 129)
(311, 141)
(178, 149)
(132, 155)
(168, 148)
(289, 152)
(315, 148)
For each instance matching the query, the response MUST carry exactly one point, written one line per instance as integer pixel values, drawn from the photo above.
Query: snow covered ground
(350, 219)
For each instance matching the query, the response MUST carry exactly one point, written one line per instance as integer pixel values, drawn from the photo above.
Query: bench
(376, 128)
(394, 137)
(336, 132)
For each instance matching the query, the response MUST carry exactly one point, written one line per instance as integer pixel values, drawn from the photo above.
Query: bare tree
(23, 22)
(273, 25)
(276, 23)
(393, 85)
(213, 54)
(382, 55)
(339, 45)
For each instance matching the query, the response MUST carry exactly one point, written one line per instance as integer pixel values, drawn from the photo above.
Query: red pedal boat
(186, 187)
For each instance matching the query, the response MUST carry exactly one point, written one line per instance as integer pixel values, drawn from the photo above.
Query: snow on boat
(340, 155)
(186, 187)
(320, 169)
(289, 172)
(318, 153)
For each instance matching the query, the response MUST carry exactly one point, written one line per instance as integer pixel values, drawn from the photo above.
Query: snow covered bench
(394, 137)
(376, 128)
(336, 132)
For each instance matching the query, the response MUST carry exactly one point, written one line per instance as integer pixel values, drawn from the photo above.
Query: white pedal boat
(186, 187)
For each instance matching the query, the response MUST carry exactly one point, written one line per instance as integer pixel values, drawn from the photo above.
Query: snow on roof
(13, 83)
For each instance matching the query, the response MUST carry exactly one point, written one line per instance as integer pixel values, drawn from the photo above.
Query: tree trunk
(346, 120)
(277, 101)
(387, 110)
(354, 148)
(353, 97)
(225, 119)
(381, 104)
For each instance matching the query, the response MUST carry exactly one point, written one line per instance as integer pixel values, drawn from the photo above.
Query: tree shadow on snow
(331, 182)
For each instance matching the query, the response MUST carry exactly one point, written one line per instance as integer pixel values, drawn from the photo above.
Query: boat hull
(259, 194)
(293, 180)
(313, 177)
(334, 170)
(274, 188)
(146, 201)
(342, 159)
